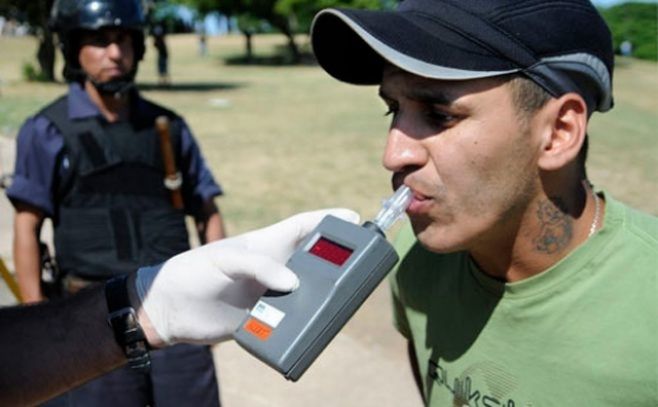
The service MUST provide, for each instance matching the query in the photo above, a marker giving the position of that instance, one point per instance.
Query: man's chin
(433, 239)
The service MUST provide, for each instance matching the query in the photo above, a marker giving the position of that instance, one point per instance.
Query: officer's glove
(202, 295)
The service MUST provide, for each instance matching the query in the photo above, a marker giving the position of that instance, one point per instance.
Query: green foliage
(34, 12)
(30, 73)
(276, 11)
(289, 17)
(305, 10)
(166, 14)
(637, 23)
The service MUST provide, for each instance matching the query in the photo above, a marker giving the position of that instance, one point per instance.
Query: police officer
(92, 162)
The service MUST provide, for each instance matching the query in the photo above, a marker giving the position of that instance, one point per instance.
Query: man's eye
(440, 118)
(97, 40)
(124, 37)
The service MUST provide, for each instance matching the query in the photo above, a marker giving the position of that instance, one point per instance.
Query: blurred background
(281, 137)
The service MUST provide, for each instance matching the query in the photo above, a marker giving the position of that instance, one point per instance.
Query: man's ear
(564, 126)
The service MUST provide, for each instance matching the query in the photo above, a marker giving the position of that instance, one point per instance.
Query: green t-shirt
(583, 333)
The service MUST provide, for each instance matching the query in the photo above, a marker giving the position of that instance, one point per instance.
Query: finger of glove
(268, 272)
(280, 239)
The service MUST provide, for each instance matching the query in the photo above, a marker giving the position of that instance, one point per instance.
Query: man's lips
(419, 203)
(115, 70)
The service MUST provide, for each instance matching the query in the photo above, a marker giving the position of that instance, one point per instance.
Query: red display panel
(331, 251)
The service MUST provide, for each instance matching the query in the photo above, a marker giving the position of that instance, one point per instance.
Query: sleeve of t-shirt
(37, 147)
(199, 185)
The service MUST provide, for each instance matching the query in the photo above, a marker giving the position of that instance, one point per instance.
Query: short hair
(528, 97)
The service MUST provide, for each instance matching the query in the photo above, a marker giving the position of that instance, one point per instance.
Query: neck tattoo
(597, 208)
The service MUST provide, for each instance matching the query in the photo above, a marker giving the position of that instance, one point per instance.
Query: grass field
(281, 139)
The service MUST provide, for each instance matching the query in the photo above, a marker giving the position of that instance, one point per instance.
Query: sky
(607, 3)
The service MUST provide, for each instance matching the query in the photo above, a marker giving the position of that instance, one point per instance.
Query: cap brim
(354, 45)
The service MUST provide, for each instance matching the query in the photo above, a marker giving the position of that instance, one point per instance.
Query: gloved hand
(202, 295)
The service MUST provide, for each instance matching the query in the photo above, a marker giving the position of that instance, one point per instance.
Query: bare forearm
(51, 347)
(210, 224)
(214, 228)
(27, 262)
(28, 269)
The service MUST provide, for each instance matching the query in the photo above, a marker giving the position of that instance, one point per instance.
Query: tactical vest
(113, 213)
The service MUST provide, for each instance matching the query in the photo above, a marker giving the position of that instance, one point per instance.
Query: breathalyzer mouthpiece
(393, 208)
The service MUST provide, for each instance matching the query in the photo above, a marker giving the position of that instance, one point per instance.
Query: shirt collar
(80, 105)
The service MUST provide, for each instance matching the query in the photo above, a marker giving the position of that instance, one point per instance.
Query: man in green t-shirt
(519, 284)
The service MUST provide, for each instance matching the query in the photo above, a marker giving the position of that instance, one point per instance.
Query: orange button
(258, 329)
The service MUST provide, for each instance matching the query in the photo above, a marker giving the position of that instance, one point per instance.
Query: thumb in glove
(202, 295)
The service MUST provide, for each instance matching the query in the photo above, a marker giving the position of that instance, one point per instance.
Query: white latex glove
(202, 295)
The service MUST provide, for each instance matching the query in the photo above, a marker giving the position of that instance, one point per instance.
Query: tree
(36, 14)
(636, 23)
(295, 16)
(289, 17)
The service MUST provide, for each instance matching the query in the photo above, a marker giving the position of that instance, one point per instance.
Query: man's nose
(114, 50)
(403, 151)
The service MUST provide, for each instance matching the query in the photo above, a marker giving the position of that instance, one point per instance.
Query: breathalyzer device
(338, 264)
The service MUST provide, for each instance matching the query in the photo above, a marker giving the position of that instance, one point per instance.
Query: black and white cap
(562, 45)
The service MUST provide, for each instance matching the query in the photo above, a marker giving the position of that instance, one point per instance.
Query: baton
(173, 179)
(9, 280)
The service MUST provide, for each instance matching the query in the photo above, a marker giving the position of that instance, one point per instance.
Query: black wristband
(123, 320)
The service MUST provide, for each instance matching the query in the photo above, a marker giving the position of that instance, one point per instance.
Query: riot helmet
(69, 17)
